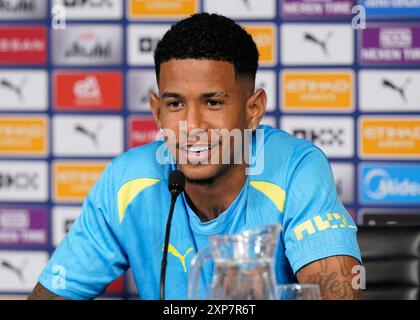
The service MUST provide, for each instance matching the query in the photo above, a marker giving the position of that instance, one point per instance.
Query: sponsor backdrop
(74, 82)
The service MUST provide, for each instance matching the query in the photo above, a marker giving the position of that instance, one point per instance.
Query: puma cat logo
(172, 250)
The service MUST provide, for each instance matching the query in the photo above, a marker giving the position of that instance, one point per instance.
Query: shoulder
(283, 153)
(137, 163)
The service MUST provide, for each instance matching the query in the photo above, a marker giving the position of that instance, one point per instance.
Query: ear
(256, 105)
(155, 107)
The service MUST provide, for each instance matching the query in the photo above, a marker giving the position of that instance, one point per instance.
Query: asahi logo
(89, 46)
(22, 6)
(78, 44)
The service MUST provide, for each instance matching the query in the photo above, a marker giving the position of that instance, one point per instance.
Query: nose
(196, 123)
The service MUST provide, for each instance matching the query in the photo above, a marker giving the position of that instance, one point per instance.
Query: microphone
(176, 185)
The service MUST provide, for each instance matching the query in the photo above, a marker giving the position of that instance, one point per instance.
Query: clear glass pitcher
(243, 266)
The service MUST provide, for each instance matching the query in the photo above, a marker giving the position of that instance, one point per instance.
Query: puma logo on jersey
(172, 250)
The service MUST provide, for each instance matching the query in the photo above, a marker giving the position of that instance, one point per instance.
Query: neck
(209, 200)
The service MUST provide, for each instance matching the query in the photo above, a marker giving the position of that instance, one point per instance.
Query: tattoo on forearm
(333, 284)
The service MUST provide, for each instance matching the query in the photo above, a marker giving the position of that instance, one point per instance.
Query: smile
(198, 153)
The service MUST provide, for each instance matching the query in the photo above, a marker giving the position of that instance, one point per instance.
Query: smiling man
(205, 68)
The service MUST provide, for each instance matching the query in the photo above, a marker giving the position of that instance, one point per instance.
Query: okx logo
(91, 9)
(23, 181)
(389, 184)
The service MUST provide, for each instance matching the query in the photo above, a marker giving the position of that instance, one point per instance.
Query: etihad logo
(23, 136)
(379, 184)
(172, 250)
(96, 91)
(317, 91)
(265, 36)
(72, 181)
(322, 43)
(395, 38)
(321, 223)
(389, 137)
(152, 9)
(399, 89)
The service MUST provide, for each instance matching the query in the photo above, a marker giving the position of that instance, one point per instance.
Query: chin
(201, 172)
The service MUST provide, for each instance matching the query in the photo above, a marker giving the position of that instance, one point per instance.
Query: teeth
(197, 148)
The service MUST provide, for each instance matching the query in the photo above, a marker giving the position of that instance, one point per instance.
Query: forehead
(195, 74)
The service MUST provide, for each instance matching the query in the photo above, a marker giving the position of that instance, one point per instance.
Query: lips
(197, 153)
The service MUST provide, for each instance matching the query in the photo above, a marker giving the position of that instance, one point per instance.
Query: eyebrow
(216, 94)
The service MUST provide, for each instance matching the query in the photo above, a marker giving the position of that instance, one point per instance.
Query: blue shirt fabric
(123, 220)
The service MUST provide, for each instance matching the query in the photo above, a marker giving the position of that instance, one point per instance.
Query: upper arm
(316, 225)
(90, 256)
(335, 276)
(41, 293)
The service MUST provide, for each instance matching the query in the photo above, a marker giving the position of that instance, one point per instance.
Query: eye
(175, 104)
(214, 104)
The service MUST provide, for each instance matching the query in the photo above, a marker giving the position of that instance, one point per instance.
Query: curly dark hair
(212, 37)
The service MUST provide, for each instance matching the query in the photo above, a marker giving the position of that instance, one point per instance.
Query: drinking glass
(297, 291)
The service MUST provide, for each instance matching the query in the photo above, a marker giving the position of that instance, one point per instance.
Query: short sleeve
(89, 257)
(315, 225)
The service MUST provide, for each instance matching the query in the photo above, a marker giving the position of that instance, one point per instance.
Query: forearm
(334, 276)
(40, 293)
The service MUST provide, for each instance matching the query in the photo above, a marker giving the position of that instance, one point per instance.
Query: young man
(205, 68)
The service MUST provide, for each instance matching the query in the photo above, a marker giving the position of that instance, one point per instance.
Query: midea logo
(379, 184)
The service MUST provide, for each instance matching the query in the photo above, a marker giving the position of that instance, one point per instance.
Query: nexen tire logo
(380, 185)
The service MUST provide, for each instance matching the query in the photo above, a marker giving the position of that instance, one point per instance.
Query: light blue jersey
(123, 220)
